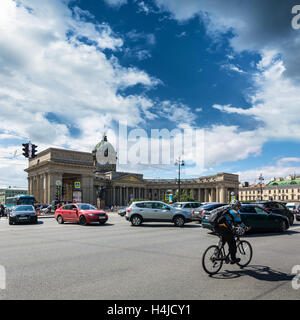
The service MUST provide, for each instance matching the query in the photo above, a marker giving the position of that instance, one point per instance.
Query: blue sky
(67, 68)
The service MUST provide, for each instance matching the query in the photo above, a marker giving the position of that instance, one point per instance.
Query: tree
(191, 195)
(184, 197)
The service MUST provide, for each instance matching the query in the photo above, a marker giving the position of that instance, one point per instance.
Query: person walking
(2, 210)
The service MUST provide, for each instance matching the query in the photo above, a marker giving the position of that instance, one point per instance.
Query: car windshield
(86, 207)
(24, 208)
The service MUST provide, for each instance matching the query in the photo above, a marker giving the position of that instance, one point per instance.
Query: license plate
(23, 218)
(101, 218)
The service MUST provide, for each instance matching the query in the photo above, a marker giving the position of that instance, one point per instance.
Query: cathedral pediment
(129, 178)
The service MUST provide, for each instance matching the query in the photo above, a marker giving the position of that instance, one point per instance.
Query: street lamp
(261, 179)
(179, 163)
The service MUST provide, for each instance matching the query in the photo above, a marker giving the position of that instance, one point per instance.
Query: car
(277, 207)
(197, 214)
(23, 213)
(187, 206)
(156, 211)
(46, 210)
(82, 213)
(257, 218)
(295, 208)
(122, 211)
(40, 207)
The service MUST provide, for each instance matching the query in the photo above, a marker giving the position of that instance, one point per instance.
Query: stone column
(214, 195)
(217, 194)
(205, 195)
(224, 195)
(87, 189)
(126, 195)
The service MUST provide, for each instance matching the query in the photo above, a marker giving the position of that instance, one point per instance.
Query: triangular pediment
(129, 178)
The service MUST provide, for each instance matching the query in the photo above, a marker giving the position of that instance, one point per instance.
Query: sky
(70, 69)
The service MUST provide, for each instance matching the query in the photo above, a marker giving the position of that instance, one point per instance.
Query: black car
(257, 218)
(279, 208)
(23, 213)
(295, 208)
(199, 213)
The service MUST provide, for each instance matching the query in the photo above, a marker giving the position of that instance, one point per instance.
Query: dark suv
(279, 208)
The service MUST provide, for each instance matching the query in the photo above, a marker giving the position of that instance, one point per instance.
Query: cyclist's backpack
(217, 213)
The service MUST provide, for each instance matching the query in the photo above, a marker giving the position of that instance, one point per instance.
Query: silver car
(156, 211)
(187, 206)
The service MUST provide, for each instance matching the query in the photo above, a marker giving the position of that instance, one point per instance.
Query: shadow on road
(155, 225)
(27, 224)
(263, 273)
(271, 234)
(91, 225)
(264, 234)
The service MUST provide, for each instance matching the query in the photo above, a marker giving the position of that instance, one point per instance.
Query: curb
(45, 217)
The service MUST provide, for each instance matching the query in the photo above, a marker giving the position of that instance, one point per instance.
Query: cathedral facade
(93, 178)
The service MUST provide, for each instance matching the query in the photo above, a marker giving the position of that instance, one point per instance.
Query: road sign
(77, 185)
(167, 196)
(58, 183)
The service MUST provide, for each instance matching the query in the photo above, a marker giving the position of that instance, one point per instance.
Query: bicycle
(215, 255)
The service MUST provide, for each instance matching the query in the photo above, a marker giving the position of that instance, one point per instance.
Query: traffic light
(62, 191)
(33, 151)
(25, 150)
(57, 194)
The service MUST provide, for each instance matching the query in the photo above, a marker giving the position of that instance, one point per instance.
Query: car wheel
(60, 220)
(82, 221)
(136, 220)
(179, 221)
(10, 222)
(283, 226)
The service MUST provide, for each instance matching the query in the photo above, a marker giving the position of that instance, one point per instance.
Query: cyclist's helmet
(235, 203)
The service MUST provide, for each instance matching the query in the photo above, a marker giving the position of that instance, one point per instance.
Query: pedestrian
(2, 209)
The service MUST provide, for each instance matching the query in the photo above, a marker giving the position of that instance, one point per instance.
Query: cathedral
(93, 178)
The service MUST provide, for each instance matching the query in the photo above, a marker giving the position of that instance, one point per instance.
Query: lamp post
(261, 179)
(179, 163)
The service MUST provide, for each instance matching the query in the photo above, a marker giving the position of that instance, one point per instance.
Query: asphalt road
(154, 261)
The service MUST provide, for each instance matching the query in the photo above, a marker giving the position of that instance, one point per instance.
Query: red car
(82, 213)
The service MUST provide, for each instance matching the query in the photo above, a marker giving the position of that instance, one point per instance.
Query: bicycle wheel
(244, 252)
(209, 262)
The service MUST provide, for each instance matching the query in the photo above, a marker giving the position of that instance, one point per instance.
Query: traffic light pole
(180, 163)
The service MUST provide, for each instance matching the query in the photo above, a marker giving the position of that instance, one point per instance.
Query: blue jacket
(233, 218)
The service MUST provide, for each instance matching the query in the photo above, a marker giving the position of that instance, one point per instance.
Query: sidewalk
(45, 216)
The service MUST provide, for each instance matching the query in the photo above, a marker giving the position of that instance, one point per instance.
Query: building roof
(284, 182)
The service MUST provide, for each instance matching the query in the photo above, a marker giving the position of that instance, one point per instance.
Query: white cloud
(281, 168)
(116, 3)
(275, 104)
(44, 67)
(232, 67)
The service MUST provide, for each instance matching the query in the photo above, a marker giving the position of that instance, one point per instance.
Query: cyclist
(226, 228)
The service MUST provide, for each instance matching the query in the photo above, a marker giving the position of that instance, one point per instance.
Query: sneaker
(237, 260)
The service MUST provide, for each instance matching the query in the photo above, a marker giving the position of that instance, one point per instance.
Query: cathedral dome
(105, 153)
